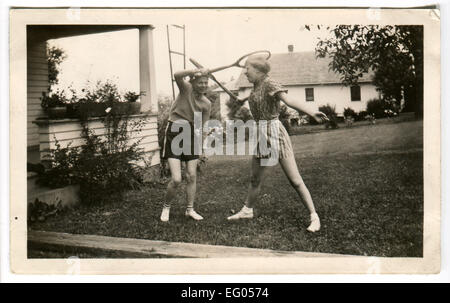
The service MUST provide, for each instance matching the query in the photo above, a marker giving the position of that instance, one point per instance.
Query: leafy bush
(40, 211)
(132, 96)
(284, 118)
(376, 107)
(349, 112)
(62, 171)
(330, 111)
(52, 99)
(361, 116)
(55, 56)
(164, 105)
(102, 166)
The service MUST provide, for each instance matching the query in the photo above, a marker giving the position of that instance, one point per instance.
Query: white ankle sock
(247, 209)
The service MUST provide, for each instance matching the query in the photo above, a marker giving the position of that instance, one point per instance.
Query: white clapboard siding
(66, 125)
(37, 82)
(65, 138)
(80, 141)
(67, 132)
(147, 144)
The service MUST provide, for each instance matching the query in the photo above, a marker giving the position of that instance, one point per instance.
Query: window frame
(353, 97)
(311, 97)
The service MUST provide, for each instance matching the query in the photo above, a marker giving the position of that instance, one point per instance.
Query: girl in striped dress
(264, 102)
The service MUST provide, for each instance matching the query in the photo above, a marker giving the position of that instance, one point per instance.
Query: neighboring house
(309, 80)
(224, 97)
(39, 140)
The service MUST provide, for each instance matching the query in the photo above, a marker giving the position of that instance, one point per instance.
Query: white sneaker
(165, 214)
(193, 214)
(315, 223)
(244, 213)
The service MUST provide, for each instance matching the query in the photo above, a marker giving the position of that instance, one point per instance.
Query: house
(224, 97)
(42, 133)
(309, 80)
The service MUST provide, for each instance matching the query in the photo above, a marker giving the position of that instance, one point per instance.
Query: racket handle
(196, 64)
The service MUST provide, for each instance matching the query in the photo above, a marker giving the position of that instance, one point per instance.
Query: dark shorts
(188, 151)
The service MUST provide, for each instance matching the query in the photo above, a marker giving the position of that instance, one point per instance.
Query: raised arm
(179, 76)
(295, 104)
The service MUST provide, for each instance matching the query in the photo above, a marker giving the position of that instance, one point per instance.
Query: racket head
(239, 62)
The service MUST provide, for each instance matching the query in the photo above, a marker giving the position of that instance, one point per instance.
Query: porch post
(147, 72)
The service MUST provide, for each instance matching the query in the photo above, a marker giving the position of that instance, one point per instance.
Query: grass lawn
(366, 182)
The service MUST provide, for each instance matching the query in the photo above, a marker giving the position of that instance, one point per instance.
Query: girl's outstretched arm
(295, 104)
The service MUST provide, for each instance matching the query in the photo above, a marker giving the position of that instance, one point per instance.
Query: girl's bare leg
(191, 189)
(257, 177)
(258, 174)
(290, 168)
(175, 181)
(191, 178)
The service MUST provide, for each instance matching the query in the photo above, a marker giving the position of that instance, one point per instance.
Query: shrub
(376, 107)
(62, 171)
(103, 167)
(40, 211)
(284, 118)
(361, 116)
(52, 99)
(132, 96)
(349, 112)
(330, 111)
(164, 105)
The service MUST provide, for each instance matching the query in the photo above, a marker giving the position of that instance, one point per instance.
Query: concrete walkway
(151, 248)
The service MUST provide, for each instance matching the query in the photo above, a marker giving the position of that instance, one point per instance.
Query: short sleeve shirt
(186, 104)
(264, 101)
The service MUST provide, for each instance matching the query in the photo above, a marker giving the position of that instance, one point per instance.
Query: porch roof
(46, 32)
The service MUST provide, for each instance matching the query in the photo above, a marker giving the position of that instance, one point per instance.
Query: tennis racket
(239, 62)
(198, 65)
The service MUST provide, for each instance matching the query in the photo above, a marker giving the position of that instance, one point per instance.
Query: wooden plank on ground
(158, 248)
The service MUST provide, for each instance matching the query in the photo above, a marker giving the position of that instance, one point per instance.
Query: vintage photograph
(226, 136)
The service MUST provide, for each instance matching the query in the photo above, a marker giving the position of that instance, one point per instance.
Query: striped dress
(265, 108)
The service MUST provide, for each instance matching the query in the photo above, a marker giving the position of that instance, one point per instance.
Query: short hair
(259, 63)
(194, 78)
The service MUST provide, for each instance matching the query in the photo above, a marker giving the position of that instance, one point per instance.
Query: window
(355, 93)
(309, 94)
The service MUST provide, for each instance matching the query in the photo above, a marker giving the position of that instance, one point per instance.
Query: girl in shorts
(190, 100)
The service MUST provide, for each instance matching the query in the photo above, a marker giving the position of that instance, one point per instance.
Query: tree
(55, 56)
(394, 53)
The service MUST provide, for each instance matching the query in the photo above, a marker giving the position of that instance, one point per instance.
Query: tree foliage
(393, 53)
(55, 56)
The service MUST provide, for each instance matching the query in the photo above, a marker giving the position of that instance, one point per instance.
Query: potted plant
(95, 101)
(129, 106)
(54, 104)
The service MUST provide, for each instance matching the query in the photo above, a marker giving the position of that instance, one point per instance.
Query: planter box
(57, 112)
(126, 108)
(88, 110)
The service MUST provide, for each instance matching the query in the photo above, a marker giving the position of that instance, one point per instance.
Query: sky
(213, 37)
